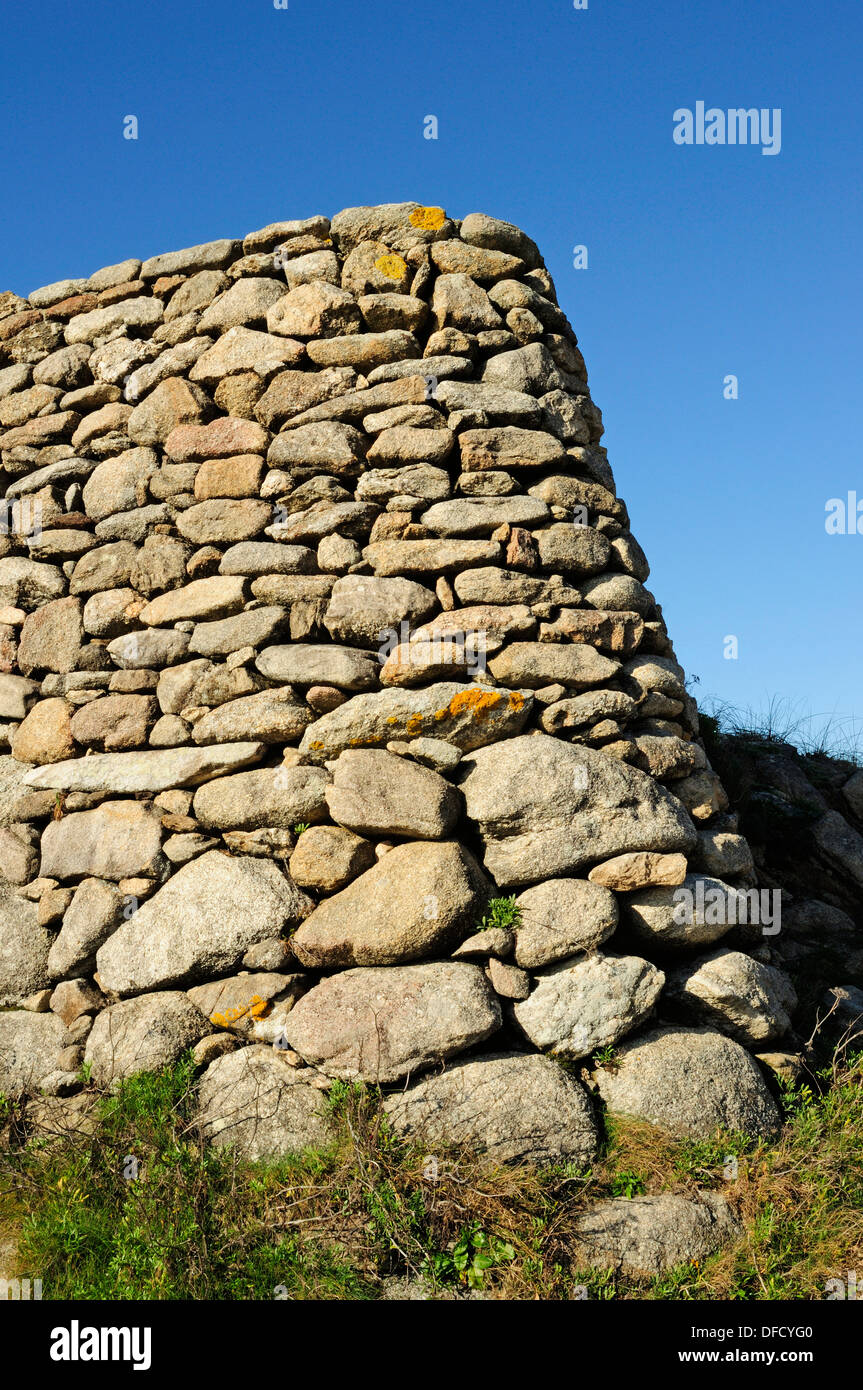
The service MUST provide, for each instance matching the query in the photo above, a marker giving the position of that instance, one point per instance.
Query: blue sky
(704, 261)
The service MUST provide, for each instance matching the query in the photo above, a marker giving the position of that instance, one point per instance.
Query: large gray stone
(735, 994)
(27, 584)
(537, 664)
(383, 1025)
(94, 912)
(29, 1050)
(309, 663)
(647, 1236)
(697, 912)
(215, 597)
(266, 557)
(244, 304)
(253, 1100)
(271, 796)
(327, 858)
(579, 1006)
(119, 839)
(419, 899)
(398, 225)
(142, 1035)
(514, 1107)
(250, 629)
(840, 844)
(150, 771)
(530, 370)
(252, 1005)
(560, 918)
(479, 516)
(17, 695)
(272, 716)
(374, 792)
(467, 716)
(362, 609)
(24, 947)
(544, 807)
(201, 923)
(430, 557)
(191, 259)
(691, 1082)
(51, 637)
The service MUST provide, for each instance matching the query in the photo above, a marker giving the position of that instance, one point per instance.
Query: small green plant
(628, 1184)
(301, 826)
(606, 1057)
(500, 912)
(473, 1253)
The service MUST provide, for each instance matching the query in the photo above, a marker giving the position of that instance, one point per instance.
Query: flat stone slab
(467, 716)
(513, 1107)
(381, 1025)
(142, 1035)
(254, 1101)
(544, 807)
(690, 1082)
(201, 923)
(418, 900)
(647, 1236)
(149, 771)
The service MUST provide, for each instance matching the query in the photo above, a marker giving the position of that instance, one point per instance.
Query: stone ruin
(322, 627)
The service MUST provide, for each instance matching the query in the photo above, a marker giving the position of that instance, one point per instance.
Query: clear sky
(704, 261)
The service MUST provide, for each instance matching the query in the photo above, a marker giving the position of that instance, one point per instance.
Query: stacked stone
(322, 625)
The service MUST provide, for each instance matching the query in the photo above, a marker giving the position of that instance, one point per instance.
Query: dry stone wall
(321, 628)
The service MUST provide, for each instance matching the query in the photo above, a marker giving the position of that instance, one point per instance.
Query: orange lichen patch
(414, 725)
(429, 219)
(391, 266)
(516, 700)
(474, 701)
(225, 1020)
(257, 1007)
(316, 744)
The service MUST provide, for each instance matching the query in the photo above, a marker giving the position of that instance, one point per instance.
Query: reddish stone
(521, 553)
(219, 439)
(76, 304)
(15, 323)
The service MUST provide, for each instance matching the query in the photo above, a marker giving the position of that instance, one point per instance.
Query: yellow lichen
(393, 267)
(257, 1007)
(474, 701)
(429, 219)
